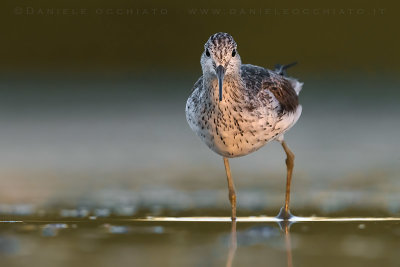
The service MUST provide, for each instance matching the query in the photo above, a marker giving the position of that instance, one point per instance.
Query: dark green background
(91, 42)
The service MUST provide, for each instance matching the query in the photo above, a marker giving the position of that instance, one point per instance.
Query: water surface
(254, 241)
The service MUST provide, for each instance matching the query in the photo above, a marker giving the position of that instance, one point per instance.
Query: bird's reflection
(232, 245)
(284, 226)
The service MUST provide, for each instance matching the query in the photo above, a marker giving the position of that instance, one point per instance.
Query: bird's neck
(232, 89)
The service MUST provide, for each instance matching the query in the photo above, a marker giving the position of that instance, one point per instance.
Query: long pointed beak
(220, 75)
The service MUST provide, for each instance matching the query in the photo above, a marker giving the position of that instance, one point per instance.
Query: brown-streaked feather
(258, 79)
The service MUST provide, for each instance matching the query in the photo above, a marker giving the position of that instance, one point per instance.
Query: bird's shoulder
(258, 80)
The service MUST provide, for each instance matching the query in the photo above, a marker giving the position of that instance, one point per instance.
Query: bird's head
(220, 58)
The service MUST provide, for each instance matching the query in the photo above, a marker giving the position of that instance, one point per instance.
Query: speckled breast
(231, 131)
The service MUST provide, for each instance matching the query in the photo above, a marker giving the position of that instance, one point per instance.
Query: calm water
(120, 242)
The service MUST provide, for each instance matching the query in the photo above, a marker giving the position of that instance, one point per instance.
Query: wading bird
(237, 108)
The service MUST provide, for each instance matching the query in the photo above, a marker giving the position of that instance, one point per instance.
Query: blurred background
(92, 107)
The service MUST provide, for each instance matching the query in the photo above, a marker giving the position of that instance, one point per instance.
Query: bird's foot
(285, 222)
(284, 215)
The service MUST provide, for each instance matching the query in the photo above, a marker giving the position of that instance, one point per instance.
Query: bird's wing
(258, 80)
(197, 84)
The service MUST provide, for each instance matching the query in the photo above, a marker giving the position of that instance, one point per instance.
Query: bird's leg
(231, 187)
(285, 212)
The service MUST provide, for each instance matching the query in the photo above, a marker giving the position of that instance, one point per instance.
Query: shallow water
(191, 241)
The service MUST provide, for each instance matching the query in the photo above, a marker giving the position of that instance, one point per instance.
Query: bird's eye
(234, 52)
(207, 53)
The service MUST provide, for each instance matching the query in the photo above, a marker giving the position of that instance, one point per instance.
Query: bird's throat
(231, 88)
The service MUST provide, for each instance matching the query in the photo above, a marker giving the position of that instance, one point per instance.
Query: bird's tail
(281, 69)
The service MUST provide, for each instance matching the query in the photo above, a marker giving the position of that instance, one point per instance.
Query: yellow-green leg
(231, 187)
(285, 211)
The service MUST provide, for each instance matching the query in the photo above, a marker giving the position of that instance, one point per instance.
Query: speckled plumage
(258, 105)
